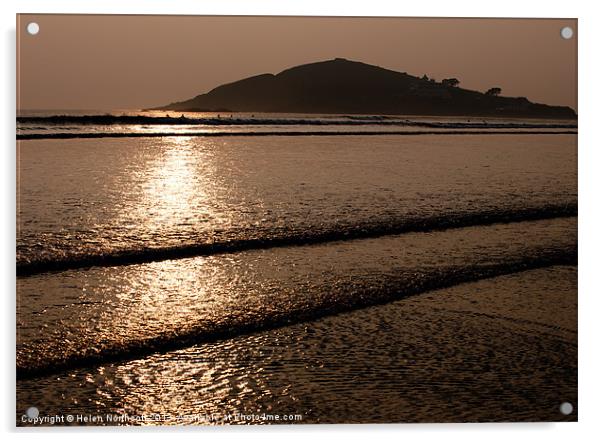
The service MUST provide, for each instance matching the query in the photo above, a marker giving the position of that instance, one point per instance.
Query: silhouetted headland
(343, 86)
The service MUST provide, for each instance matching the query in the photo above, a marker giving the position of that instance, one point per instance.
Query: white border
(590, 146)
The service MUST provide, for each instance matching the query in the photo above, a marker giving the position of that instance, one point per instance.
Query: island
(341, 86)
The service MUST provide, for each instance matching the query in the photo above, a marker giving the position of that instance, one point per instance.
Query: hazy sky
(130, 62)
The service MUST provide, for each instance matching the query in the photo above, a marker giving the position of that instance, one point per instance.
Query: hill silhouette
(344, 86)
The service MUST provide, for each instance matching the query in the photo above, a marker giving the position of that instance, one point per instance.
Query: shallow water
(82, 197)
(344, 279)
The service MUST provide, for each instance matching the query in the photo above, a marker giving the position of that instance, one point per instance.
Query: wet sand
(499, 349)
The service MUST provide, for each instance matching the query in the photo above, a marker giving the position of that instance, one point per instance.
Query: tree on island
(450, 82)
(494, 91)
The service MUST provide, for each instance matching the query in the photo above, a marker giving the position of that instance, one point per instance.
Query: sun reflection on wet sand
(172, 183)
(151, 306)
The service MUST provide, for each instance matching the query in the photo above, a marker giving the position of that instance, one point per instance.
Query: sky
(110, 62)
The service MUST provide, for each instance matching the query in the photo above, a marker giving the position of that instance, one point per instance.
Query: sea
(230, 268)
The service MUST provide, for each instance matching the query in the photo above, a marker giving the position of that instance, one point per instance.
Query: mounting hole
(32, 412)
(33, 28)
(566, 32)
(566, 408)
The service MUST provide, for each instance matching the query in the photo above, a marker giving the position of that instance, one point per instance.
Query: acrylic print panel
(289, 220)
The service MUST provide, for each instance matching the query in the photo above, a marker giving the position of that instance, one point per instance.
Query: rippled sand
(98, 314)
(500, 349)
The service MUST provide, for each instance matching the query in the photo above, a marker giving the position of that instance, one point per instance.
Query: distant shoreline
(249, 134)
(313, 119)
